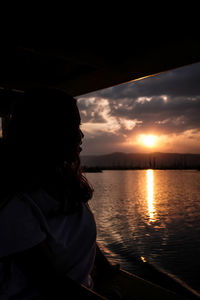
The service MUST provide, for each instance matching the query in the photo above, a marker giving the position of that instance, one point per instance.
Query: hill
(119, 160)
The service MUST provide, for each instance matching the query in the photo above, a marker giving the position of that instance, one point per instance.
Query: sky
(155, 114)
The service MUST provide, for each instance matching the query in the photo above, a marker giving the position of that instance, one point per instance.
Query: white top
(23, 225)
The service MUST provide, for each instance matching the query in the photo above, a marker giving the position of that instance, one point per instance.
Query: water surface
(153, 215)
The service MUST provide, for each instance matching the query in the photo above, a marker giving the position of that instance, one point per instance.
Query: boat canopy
(80, 68)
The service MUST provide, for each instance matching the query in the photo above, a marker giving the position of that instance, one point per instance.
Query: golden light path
(150, 195)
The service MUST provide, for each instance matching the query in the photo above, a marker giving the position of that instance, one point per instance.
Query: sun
(148, 140)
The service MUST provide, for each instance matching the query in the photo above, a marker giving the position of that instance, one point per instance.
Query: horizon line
(148, 153)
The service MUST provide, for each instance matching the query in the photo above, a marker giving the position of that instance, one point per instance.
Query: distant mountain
(119, 160)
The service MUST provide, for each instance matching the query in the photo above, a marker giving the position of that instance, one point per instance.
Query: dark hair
(42, 147)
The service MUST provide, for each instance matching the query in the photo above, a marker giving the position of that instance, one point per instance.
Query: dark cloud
(180, 82)
(174, 114)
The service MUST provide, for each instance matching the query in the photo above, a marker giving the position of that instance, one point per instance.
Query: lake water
(150, 215)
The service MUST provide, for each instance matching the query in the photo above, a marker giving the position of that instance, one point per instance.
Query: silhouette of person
(47, 230)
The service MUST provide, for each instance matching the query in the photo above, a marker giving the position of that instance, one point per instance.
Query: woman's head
(43, 141)
(46, 126)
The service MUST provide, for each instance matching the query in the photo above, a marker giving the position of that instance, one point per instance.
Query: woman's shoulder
(12, 204)
(38, 198)
(44, 201)
(20, 228)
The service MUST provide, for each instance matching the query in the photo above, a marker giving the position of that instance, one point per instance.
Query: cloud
(166, 104)
(92, 110)
(163, 113)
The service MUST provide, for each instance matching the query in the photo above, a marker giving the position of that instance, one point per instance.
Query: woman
(47, 231)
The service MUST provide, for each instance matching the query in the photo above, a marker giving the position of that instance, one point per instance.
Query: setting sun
(148, 140)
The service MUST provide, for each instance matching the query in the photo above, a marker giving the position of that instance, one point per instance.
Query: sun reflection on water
(150, 195)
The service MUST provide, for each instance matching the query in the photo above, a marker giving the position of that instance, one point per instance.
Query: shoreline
(100, 170)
